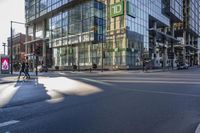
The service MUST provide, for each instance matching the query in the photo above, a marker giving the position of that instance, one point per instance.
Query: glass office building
(119, 34)
(192, 30)
(189, 31)
(66, 32)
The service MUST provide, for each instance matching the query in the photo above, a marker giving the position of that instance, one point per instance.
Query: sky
(10, 10)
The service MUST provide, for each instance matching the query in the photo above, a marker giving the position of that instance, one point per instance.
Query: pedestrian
(22, 69)
(27, 76)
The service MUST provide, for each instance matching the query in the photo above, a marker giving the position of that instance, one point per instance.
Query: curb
(7, 82)
(197, 130)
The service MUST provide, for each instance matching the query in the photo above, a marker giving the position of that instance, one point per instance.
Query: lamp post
(102, 50)
(4, 45)
(11, 41)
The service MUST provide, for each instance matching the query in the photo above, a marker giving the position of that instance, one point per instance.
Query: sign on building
(117, 9)
(131, 9)
(5, 67)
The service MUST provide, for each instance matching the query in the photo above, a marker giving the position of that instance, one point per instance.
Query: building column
(198, 52)
(172, 44)
(189, 43)
(192, 43)
(165, 51)
(67, 48)
(26, 40)
(184, 44)
(154, 56)
(114, 47)
(44, 52)
(34, 46)
(77, 57)
(89, 54)
(189, 39)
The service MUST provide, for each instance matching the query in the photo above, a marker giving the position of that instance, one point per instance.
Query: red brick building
(18, 48)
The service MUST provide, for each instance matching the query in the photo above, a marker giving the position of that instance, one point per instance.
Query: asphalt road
(127, 102)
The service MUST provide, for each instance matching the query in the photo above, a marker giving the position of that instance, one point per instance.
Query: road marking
(8, 123)
(163, 92)
(161, 82)
(96, 81)
(151, 78)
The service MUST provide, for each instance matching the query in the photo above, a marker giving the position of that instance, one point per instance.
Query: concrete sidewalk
(7, 79)
(109, 72)
(98, 72)
(22, 92)
(4, 79)
(48, 89)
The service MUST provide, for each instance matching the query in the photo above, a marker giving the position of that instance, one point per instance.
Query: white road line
(152, 78)
(161, 82)
(96, 81)
(163, 92)
(8, 123)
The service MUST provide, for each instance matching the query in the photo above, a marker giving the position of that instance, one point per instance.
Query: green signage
(70, 51)
(131, 9)
(117, 9)
(116, 49)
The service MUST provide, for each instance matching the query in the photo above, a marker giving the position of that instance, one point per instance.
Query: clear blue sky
(10, 10)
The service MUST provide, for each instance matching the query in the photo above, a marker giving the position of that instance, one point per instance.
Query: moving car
(42, 68)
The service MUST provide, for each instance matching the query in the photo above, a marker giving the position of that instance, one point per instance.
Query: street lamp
(4, 45)
(102, 49)
(11, 36)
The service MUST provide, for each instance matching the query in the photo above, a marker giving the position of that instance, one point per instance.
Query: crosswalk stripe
(8, 123)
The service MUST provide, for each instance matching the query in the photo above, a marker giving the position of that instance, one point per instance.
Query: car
(183, 66)
(42, 68)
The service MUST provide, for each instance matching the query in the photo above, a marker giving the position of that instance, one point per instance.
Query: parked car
(183, 66)
(42, 68)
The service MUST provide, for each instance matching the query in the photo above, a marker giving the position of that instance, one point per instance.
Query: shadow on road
(22, 92)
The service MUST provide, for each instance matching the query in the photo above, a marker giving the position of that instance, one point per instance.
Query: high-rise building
(113, 34)
(192, 30)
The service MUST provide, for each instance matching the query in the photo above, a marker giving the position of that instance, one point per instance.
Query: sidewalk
(88, 73)
(48, 89)
(7, 79)
(4, 79)
(22, 92)
(98, 72)
(13, 78)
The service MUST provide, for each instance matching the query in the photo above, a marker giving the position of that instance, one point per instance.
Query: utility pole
(102, 50)
(11, 68)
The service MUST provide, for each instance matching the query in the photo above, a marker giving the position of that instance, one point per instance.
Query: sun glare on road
(59, 86)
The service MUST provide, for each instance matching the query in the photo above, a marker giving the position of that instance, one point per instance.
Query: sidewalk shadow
(24, 92)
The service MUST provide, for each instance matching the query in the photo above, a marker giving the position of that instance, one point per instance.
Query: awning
(163, 35)
(178, 46)
(191, 47)
(34, 41)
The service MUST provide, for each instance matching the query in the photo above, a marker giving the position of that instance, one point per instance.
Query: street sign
(5, 67)
(116, 49)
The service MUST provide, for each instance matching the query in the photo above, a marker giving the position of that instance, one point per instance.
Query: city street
(108, 102)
